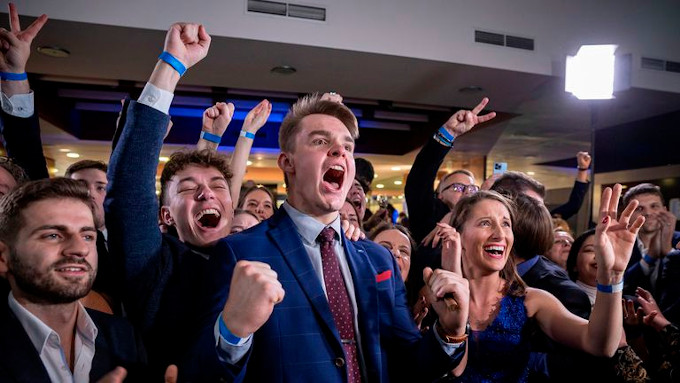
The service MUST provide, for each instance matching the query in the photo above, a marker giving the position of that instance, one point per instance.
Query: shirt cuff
(19, 105)
(156, 98)
(449, 348)
(228, 352)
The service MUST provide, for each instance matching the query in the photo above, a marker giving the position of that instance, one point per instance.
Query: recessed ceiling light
(54, 170)
(54, 51)
(259, 158)
(531, 173)
(379, 186)
(396, 168)
(375, 175)
(283, 69)
(163, 159)
(72, 155)
(397, 182)
(249, 163)
(471, 89)
(64, 150)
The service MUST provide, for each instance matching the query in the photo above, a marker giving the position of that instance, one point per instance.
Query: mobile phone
(500, 167)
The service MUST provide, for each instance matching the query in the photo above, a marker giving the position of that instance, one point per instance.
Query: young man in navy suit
(281, 320)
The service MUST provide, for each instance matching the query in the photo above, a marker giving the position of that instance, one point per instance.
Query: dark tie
(338, 299)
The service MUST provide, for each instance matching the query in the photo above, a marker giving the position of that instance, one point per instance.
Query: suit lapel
(17, 353)
(296, 257)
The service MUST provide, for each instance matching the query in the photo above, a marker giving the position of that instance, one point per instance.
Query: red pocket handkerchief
(385, 275)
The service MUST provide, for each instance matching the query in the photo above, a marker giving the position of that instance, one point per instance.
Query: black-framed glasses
(462, 188)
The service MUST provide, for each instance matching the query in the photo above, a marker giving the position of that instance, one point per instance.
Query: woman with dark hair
(581, 264)
(502, 310)
(397, 239)
(258, 200)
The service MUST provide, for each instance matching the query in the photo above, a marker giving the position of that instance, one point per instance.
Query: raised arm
(20, 127)
(614, 241)
(131, 203)
(255, 120)
(424, 208)
(579, 191)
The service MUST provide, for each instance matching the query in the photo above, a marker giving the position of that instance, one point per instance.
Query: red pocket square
(385, 275)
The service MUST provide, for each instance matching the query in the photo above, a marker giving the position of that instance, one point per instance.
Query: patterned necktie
(339, 302)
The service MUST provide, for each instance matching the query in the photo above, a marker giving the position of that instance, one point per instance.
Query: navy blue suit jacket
(300, 342)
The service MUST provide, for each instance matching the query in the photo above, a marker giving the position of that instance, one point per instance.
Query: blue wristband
(214, 138)
(610, 289)
(650, 261)
(13, 76)
(247, 135)
(226, 334)
(445, 133)
(173, 62)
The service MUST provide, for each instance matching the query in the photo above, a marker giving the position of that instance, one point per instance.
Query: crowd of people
(103, 280)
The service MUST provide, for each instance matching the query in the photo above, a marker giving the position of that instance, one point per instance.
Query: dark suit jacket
(547, 275)
(163, 277)
(21, 138)
(300, 342)
(115, 346)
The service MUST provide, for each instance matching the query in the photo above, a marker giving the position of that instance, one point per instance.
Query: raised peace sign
(464, 120)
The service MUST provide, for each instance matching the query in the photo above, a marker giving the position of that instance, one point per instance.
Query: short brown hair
(533, 228)
(644, 188)
(461, 212)
(85, 164)
(313, 104)
(514, 182)
(16, 171)
(459, 171)
(205, 158)
(21, 197)
(384, 226)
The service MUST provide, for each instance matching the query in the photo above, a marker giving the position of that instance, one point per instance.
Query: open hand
(257, 117)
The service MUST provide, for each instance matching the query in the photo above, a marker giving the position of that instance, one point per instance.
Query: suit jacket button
(339, 362)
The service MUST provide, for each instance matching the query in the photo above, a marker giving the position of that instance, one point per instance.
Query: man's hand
(583, 160)
(652, 313)
(332, 96)
(116, 376)
(257, 117)
(464, 120)
(217, 118)
(453, 316)
(253, 293)
(188, 43)
(15, 44)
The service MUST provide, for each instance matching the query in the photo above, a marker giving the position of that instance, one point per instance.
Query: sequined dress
(500, 353)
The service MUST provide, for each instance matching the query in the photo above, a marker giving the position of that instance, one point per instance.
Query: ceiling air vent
(268, 7)
(503, 40)
(287, 9)
(306, 12)
(519, 42)
(659, 64)
(489, 38)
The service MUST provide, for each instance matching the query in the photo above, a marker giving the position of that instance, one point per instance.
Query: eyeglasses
(462, 188)
(563, 242)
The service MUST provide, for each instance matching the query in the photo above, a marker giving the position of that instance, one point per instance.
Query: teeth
(337, 167)
(71, 269)
(207, 211)
(494, 248)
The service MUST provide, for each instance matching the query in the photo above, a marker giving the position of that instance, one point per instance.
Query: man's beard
(44, 287)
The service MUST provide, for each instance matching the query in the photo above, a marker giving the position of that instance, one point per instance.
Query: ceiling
(539, 126)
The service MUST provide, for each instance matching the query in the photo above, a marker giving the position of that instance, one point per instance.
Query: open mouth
(208, 218)
(495, 251)
(334, 176)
